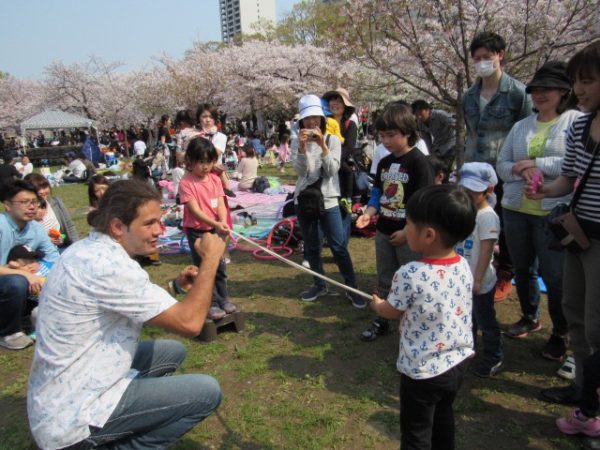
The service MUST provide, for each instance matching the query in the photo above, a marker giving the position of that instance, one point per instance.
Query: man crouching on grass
(92, 383)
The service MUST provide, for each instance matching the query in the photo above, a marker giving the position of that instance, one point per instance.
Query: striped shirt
(579, 149)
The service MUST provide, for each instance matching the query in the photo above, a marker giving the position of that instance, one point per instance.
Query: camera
(312, 136)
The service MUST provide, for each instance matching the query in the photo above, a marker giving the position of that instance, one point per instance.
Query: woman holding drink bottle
(533, 152)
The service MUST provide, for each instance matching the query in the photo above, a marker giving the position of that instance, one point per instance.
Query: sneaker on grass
(313, 293)
(522, 328)
(379, 327)
(567, 370)
(357, 300)
(487, 369)
(556, 348)
(15, 341)
(576, 423)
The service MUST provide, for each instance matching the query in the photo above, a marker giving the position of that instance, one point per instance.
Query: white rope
(301, 267)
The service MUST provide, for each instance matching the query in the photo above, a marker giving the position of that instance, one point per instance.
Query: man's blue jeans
(528, 247)
(333, 229)
(14, 291)
(156, 410)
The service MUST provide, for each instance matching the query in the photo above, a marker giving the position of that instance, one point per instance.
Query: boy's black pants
(426, 414)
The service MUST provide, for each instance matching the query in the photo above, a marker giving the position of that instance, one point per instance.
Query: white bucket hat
(310, 105)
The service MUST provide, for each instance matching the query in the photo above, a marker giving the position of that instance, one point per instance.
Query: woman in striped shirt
(581, 281)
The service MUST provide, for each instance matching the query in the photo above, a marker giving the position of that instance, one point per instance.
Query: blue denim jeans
(333, 229)
(156, 410)
(220, 293)
(528, 247)
(14, 291)
(484, 319)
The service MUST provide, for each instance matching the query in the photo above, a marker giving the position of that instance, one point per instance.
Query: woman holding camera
(316, 198)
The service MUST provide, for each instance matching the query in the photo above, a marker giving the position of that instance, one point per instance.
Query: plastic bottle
(536, 179)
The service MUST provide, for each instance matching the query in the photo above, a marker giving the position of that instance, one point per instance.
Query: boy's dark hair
(399, 117)
(585, 63)
(184, 116)
(122, 201)
(490, 41)
(38, 180)
(139, 169)
(200, 150)
(447, 208)
(10, 189)
(420, 105)
(438, 166)
(23, 252)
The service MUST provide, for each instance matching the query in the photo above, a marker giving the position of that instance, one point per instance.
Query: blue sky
(36, 32)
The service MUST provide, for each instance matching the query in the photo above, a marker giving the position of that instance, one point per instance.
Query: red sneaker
(503, 287)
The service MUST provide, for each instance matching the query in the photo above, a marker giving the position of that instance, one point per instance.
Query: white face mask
(485, 68)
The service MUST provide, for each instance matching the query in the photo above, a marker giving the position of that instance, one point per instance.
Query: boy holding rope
(432, 298)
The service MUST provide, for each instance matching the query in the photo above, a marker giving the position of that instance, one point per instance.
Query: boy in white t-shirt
(432, 298)
(479, 179)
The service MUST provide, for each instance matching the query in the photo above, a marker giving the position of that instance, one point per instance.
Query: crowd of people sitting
(448, 244)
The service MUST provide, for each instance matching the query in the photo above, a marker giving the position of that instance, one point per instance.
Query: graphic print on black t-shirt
(399, 177)
(392, 201)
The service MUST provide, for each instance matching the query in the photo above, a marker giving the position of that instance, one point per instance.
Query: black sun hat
(553, 74)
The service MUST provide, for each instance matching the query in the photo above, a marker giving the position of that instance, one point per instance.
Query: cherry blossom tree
(424, 44)
(19, 99)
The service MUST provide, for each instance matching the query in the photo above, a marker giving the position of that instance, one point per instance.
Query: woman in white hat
(316, 198)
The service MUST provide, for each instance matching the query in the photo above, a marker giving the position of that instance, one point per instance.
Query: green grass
(298, 377)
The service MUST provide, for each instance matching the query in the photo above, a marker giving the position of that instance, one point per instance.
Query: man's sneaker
(15, 341)
(567, 370)
(485, 369)
(357, 300)
(556, 348)
(503, 286)
(306, 264)
(568, 395)
(576, 423)
(379, 327)
(522, 328)
(313, 293)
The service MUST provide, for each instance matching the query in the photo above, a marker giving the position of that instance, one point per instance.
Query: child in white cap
(478, 249)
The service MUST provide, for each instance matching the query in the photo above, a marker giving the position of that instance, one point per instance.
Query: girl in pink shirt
(201, 191)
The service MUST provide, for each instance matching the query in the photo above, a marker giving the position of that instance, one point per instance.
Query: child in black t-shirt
(404, 171)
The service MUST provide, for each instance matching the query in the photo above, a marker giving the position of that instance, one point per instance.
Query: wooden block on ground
(212, 328)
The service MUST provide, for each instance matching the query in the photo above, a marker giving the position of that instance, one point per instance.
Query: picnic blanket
(271, 196)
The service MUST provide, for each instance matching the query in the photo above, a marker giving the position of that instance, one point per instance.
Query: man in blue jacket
(491, 107)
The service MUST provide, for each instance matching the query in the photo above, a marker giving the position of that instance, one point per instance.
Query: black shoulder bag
(562, 221)
(310, 199)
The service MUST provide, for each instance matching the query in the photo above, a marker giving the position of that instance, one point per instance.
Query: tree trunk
(460, 121)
